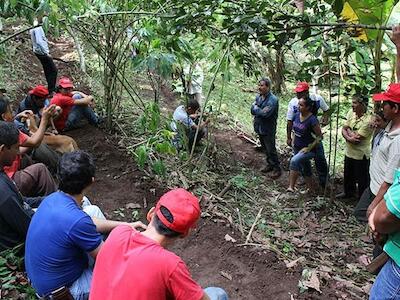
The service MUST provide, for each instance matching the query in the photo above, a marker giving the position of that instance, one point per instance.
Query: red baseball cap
(392, 93)
(65, 82)
(39, 91)
(184, 208)
(301, 87)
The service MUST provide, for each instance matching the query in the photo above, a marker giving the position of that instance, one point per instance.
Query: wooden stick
(225, 189)
(240, 221)
(254, 225)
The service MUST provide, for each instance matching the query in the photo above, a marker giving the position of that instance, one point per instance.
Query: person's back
(15, 215)
(57, 243)
(162, 275)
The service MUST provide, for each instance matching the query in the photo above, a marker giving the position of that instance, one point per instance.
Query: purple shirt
(303, 130)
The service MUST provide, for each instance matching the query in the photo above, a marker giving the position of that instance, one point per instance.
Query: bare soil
(245, 273)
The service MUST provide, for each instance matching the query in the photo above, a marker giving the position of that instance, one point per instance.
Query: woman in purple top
(307, 134)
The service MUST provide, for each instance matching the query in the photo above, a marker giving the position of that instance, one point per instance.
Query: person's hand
(266, 109)
(138, 225)
(396, 35)
(305, 150)
(49, 112)
(25, 114)
(289, 141)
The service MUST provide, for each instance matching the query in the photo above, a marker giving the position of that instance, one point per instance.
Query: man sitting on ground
(75, 106)
(163, 275)
(188, 116)
(63, 239)
(35, 179)
(15, 210)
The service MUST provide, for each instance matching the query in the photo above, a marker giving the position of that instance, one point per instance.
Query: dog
(58, 142)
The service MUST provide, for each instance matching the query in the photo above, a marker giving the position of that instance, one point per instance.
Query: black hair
(4, 105)
(193, 104)
(75, 172)
(266, 80)
(380, 114)
(8, 134)
(161, 228)
(392, 104)
(311, 105)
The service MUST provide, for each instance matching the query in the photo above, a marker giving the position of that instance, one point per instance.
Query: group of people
(71, 250)
(371, 165)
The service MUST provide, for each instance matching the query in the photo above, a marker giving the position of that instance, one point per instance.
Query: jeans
(268, 143)
(300, 162)
(78, 113)
(47, 156)
(321, 165)
(50, 71)
(356, 176)
(81, 287)
(387, 283)
(216, 293)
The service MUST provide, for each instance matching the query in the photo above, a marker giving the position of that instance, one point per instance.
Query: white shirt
(181, 116)
(39, 41)
(293, 106)
(385, 159)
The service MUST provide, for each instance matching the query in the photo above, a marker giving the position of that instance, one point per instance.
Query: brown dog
(60, 143)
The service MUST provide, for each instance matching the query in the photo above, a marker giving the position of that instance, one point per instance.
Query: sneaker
(342, 196)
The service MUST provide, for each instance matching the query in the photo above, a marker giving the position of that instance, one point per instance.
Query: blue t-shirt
(303, 130)
(59, 236)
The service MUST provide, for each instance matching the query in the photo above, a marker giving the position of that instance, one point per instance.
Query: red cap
(392, 93)
(184, 208)
(39, 91)
(65, 82)
(301, 87)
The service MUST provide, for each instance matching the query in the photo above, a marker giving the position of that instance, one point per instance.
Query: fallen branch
(226, 188)
(254, 225)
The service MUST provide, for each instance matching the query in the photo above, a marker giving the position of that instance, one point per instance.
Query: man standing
(386, 156)
(302, 90)
(265, 111)
(15, 210)
(63, 239)
(136, 265)
(40, 47)
(357, 131)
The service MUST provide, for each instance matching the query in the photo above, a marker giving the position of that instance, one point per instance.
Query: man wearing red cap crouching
(74, 105)
(135, 265)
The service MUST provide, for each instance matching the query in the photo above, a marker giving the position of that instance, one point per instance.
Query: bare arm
(383, 221)
(84, 101)
(379, 197)
(94, 253)
(396, 40)
(105, 226)
(289, 127)
(35, 139)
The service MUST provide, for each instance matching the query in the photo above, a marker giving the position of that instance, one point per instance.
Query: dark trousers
(360, 211)
(34, 181)
(356, 176)
(47, 156)
(50, 71)
(321, 165)
(268, 143)
(191, 134)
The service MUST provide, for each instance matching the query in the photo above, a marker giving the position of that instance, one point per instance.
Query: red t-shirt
(66, 102)
(132, 266)
(10, 171)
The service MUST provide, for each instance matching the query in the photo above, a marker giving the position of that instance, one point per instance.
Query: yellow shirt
(362, 127)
